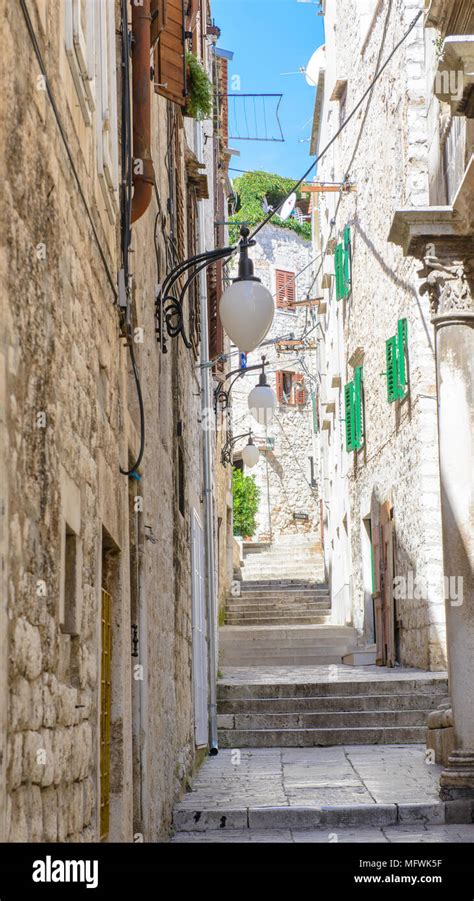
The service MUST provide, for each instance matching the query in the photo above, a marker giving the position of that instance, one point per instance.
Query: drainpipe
(206, 405)
(144, 179)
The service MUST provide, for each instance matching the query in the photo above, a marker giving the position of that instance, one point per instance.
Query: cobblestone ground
(350, 794)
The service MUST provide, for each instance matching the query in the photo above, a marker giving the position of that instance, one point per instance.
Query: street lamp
(262, 400)
(250, 453)
(246, 307)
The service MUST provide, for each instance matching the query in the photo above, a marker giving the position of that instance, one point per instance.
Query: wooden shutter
(378, 581)
(299, 393)
(285, 289)
(279, 386)
(339, 272)
(170, 64)
(387, 597)
(391, 370)
(349, 415)
(358, 407)
(346, 262)
(402, 344)
(216, 331)
(315, 405)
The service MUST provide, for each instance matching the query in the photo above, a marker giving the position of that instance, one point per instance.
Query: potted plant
(199, 100)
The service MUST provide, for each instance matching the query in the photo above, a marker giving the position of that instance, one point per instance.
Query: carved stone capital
(449, 282)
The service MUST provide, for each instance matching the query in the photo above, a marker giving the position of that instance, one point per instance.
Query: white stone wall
(283, 473)
(384, 152)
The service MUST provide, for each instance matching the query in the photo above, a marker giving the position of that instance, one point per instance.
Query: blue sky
(269, 37)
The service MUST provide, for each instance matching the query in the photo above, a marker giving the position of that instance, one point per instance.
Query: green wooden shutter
(358, 407)
(391, 371)
(349, 415)
(402, 340)
(346, 266)
(314, 403)
(339, 270)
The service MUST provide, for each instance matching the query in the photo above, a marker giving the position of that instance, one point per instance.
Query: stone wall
(72, 422)
(283, 473)
(399, 462)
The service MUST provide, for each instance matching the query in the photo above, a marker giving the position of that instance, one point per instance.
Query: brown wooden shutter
(216, 331)
(299, 393)
(285, 289)
(170, 66)
(378, 581)
(388, 611)
(279, 386)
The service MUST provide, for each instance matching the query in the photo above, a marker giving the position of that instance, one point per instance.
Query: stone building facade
(103, 613)
(287, 470)
(379, 452)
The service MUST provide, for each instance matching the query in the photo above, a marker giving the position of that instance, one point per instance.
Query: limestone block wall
(72, 421)
(399, 463)
(283, 473)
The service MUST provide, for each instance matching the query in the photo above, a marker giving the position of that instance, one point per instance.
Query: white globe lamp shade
(246, 310)
(246, 307)
(250, 454)
(262, 402)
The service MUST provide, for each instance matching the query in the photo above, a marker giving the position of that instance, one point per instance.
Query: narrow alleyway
(312, 749)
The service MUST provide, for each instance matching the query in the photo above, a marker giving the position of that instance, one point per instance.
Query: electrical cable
(127, 166)
(340, 129)
(62, 132)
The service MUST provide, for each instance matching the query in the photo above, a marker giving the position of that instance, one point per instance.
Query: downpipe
(207, 467)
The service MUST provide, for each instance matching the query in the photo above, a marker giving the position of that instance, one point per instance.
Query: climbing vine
(251, 189)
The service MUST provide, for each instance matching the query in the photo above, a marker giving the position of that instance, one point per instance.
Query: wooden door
(378, 582)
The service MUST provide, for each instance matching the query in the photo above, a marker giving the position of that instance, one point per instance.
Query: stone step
(287, 620)
(317, 824)
(332, 703)
(274, 596)
(278, 586)
(311, 738)
(278, 615)
(279, 634)
(287, 647)
(272, 571)
(269, 607)
(340, 719)
(432, 685)
(326, 657)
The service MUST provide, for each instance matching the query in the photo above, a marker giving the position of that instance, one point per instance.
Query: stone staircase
(366, 711)
(290, 557)
(273, 603)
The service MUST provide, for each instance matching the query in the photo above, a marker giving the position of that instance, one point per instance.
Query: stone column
(448, 278)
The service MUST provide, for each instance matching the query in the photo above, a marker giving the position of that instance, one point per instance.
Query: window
(285, 290)
(342, 265)
(107, 137)
(170, 66)
(79, 35)
(354, 410)
(396, 349)
(290, 388)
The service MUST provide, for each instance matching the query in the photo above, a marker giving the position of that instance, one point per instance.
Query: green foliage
(246, 498)
(199, 102)
(251, 188)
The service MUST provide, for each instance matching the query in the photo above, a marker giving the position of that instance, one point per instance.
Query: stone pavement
(386, 834)
(272, 675)
(298, 794)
